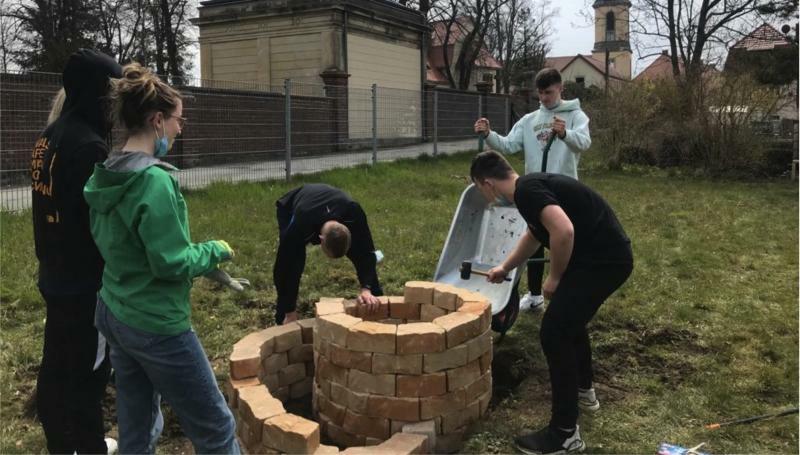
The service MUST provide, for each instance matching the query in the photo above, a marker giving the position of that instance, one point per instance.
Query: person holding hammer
(590, 258)
(532, 133)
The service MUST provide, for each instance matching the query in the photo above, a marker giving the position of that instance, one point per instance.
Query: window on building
(611, 26)
(580, 80)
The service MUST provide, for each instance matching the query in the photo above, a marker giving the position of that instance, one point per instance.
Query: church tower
(611, 32)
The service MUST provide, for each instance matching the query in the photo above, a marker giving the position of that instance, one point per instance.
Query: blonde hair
(138, 94)
(56, 106)
(336, 239)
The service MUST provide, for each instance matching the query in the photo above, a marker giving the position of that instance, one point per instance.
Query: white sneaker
(111, 446)
(531, 302)
(587, 400)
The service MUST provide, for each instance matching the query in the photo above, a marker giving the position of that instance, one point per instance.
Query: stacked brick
(420, 363)
(272, 367)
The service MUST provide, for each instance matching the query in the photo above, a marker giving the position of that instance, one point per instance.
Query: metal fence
(242, 131)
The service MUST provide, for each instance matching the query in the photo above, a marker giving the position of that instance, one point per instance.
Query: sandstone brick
(455, 420)
(399, 309)
(466, 296)
(381, 384)
(324, 386)
(405, 443)
(275, 362)
(460, 327)
(373, 314)
(425, 385)
(443, 404)
(245, 358)
(419, 292)
(373, 427)
(445, 296)
(338, 435)
(482, 309)
(420, 338)
(403, 364)
(348, 398)
(484, 401)
(301, 388)
(480, 386)
(301, 353)
(328, 306)
(281, 393)
(249, 436)
(406, 409)
(445, 360)
(370, 336)
(351, 307)
(257, 404)
(334, 327)
(425, 428)
(486, 360)
(451, 442)
(286, 336)
(326, 450)
(307, 329)
(460, 377)
(350, 359)
(291, 434)
(333, 411)
(478, 346)
(290, 374)
(330, 372)
(271, 381)
(370, 442)
(429, 312)
(232, 387)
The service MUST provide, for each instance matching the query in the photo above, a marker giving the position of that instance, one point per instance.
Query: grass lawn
(706, 328)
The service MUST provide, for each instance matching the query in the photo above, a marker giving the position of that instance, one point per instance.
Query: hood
(565, 106)
(112, 179)
(86, 80)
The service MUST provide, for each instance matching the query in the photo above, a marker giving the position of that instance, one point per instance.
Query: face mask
(162, 143)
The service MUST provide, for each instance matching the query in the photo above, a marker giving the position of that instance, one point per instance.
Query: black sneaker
(547, 440)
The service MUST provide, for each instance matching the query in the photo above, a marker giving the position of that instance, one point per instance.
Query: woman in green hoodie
(139, 222)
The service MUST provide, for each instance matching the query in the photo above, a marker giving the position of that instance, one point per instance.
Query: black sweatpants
(563, 334)
(69, 387)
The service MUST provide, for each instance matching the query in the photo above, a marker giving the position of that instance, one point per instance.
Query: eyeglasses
(181, 120)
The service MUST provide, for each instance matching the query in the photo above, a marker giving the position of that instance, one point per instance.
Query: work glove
(220, 276)
(228, 250)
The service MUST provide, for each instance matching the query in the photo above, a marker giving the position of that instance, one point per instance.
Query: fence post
(287, 91)
(374, 123)
(435, 122)
(508, 116)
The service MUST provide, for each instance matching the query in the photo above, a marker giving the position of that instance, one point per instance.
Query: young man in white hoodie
(567, 121)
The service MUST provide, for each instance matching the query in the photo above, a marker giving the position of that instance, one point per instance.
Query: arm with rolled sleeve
(510, 144)
(169, 250)
(577, 135)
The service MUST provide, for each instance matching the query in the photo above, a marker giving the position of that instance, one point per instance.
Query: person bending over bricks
(322, 215)
(590, 258)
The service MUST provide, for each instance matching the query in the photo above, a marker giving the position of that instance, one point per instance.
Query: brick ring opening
(408, 378)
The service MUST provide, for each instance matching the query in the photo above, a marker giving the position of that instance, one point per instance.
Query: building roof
(662, 68)
(561, 63)
(457, 28)
(763, 38)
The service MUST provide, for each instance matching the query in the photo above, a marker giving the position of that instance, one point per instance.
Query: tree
(693, 29)
(10, 32)
(467, 21)
(518, 39)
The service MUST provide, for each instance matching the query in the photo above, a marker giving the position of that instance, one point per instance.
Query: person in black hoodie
(321, 215)
(75, 369)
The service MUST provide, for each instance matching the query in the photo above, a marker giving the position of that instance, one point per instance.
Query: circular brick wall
(421, 362)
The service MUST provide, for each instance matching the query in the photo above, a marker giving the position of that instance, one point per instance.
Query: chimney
(665, 53)
(424, 6)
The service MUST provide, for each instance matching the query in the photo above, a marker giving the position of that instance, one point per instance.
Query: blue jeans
(148, 366)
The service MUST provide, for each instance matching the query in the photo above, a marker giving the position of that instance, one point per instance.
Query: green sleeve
(164, 230)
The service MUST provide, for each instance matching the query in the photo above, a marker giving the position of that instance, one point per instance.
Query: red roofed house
(485, 66)
(661, 68)
(611, 34)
